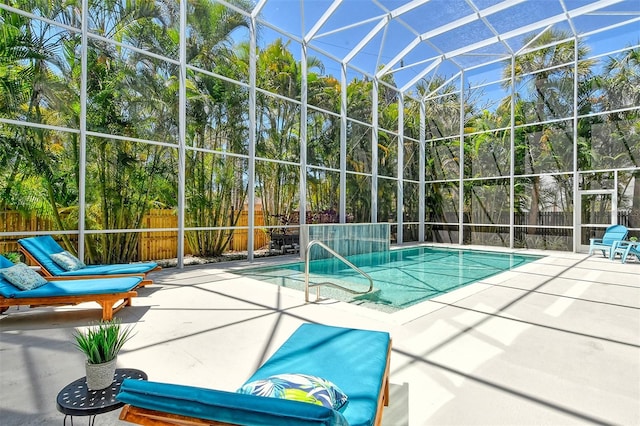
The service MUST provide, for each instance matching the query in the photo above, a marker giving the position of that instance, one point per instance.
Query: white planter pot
(100, 376)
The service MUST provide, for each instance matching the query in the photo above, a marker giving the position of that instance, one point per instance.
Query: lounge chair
(39, 250)
(625, 248)
(356, 361)
(612, 235)
(59, 291)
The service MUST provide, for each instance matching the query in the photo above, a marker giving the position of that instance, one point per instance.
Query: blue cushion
(115, 269)
(4, 262)
(298, 387)
(67, 261)
(23, 277)
(42, 247)
(230, 407)
(72, 287)
(355, 360)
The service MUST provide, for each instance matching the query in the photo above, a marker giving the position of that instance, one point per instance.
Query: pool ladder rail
(307, 285)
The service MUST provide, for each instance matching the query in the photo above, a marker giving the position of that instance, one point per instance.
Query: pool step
(345, 286)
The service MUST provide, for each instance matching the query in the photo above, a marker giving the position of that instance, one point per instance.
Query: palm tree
(133, 96)
(217, 123)
(442, 114)
(33, 88)
(546, 68)
(279, 130)
(359, 155)
(621, 84)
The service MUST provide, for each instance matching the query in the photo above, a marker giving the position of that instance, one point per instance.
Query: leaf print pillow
(298, 387)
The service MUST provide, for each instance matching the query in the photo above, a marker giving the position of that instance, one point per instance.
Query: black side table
(76, 399)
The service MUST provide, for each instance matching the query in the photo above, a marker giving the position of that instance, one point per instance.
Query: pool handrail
(328, 284)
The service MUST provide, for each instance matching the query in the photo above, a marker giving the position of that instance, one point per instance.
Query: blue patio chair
(41, 251)
(612, 235)
(625, 248)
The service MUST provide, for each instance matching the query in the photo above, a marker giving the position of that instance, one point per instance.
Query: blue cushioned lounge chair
(357, 361)
(39, 250)
(612, 235)
(59, 291)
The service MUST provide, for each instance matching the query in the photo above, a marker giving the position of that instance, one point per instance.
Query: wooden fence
(164, 244)
(11, 221)
(261, 238)
(152, 245)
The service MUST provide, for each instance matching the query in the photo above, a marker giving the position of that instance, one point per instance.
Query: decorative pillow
(298, 387)
(23, 277)
(67, 261)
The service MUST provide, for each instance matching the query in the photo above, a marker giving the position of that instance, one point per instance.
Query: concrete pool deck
(555, 342)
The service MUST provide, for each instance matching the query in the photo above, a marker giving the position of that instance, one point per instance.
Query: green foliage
(12, 256)
(134, 96)
(102, 342)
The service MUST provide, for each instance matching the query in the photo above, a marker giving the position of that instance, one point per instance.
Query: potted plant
(101, 344)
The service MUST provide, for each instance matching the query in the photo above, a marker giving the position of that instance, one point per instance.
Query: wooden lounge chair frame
(107, 301)
(142, 416)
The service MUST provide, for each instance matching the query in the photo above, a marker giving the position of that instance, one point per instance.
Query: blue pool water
(401, 278)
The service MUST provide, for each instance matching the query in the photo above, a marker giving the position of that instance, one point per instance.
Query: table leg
(92, 420)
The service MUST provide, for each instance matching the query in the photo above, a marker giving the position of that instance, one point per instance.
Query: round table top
(76, 399)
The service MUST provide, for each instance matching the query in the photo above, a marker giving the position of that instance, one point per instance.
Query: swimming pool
(401, 278)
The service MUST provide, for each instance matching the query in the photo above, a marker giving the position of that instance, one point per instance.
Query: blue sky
(297, 18)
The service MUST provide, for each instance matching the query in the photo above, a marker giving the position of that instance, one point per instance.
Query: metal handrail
(328, 284)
